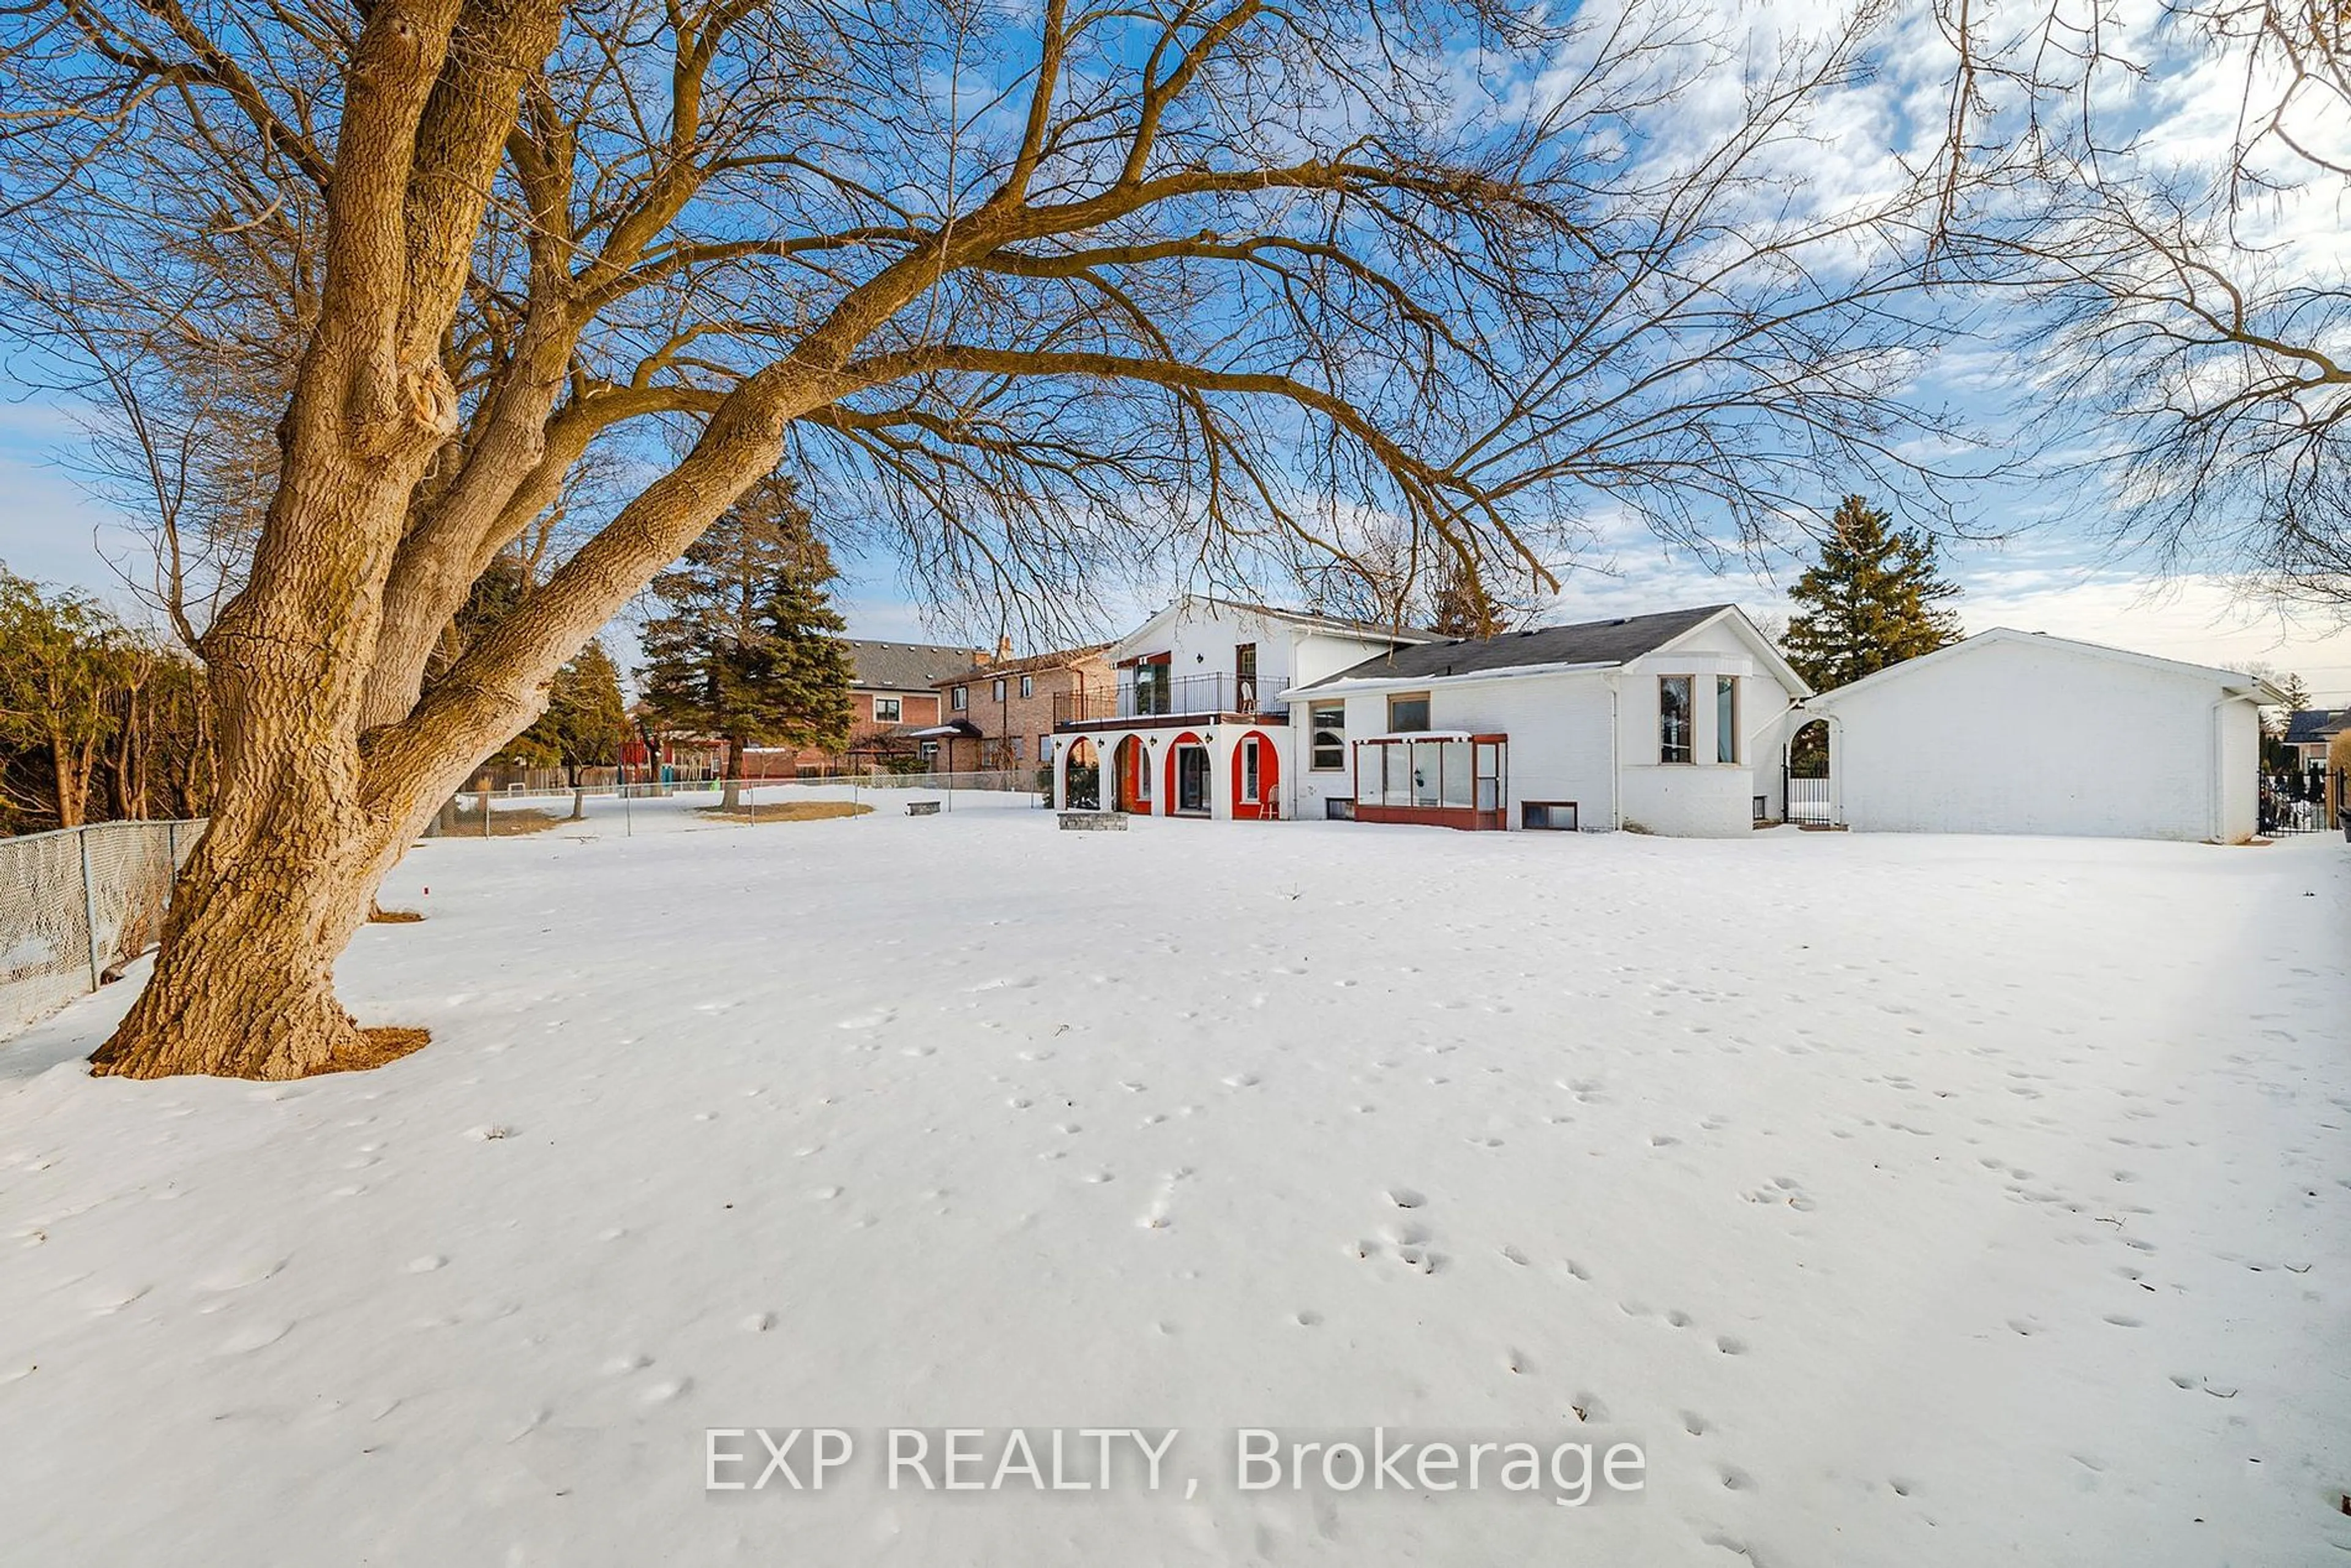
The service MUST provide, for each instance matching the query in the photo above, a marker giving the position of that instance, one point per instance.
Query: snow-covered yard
(1910, 1200)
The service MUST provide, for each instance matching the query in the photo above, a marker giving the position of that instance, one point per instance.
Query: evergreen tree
(747, 647)
(585, 722)
(1875, 599)
(1461, 606)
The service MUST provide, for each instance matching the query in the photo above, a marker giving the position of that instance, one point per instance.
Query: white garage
(2018, 732)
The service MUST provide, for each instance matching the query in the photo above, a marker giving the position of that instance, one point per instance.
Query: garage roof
(2232, 683)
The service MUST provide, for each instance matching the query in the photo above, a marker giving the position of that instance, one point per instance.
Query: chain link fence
(76, 904)
(516, 809)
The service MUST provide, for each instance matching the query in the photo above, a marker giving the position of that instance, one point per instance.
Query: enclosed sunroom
(1440, 778)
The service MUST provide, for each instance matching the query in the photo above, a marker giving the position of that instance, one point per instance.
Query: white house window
(1726, 718)
(1249, 770)
(928, 751)
(1674, 718)
(1027, 685)
(888, 710)
(1407, 711)
(996, 695)
(1330, 725)
(959, 699)
(1015, 744)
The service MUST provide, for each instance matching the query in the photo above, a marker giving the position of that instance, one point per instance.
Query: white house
(1196, 726)
(1673, 723)
(2018, 732)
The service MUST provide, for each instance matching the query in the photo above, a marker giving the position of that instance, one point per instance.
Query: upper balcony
(1188, 700)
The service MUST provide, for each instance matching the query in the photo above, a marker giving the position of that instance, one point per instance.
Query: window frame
(959, 700)
(897, 706)
(1667, 743)
(1727, 700)
(1252, 775)
(1527, 809)
(1027, 685)
(1314, 728)
(1425, 716)
(996, 693)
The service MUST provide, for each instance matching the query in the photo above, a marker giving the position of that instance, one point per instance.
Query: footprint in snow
(254, 1336)
(1406, 1197)
(427, 1264)
(874, 1019)
(240, 1274)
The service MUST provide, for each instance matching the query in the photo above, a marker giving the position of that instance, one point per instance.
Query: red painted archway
(1168, 799)
(1268, 804)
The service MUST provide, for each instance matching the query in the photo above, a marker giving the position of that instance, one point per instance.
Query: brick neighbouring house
(892, 694)
(999, 713)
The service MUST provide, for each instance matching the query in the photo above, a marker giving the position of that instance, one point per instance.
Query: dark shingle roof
(1591, 643)
(904, 666)
(2311, 725)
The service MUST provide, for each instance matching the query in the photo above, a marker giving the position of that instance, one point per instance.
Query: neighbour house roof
(1057, 660)
(954, 730)
(903, 666)
(1304, 620)
(2232, 683)
(2310, 725)
(1589, 643)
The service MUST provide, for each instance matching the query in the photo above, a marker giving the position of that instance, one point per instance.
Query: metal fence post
(88, 905)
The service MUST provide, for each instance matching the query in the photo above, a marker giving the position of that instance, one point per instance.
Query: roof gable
(2234, 683)
(1301, 620)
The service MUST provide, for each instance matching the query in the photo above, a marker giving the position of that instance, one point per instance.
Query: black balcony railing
(1153, 700)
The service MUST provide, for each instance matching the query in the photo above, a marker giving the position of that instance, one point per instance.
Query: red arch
(1265, 808)
(1134, 774)
(1166, 805)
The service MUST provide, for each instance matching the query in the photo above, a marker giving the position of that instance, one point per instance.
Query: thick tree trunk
(244, 985)
(733, 799)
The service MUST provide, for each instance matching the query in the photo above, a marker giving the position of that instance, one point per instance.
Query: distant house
(1000, 713)
(1671, 722)
(2310, 731)
(892, 694)
(2017, 732)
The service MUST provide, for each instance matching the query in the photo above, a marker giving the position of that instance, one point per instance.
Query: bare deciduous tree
(2193, 290)
(1041, 291)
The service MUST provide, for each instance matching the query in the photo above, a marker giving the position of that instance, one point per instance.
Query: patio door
(1192, 779)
